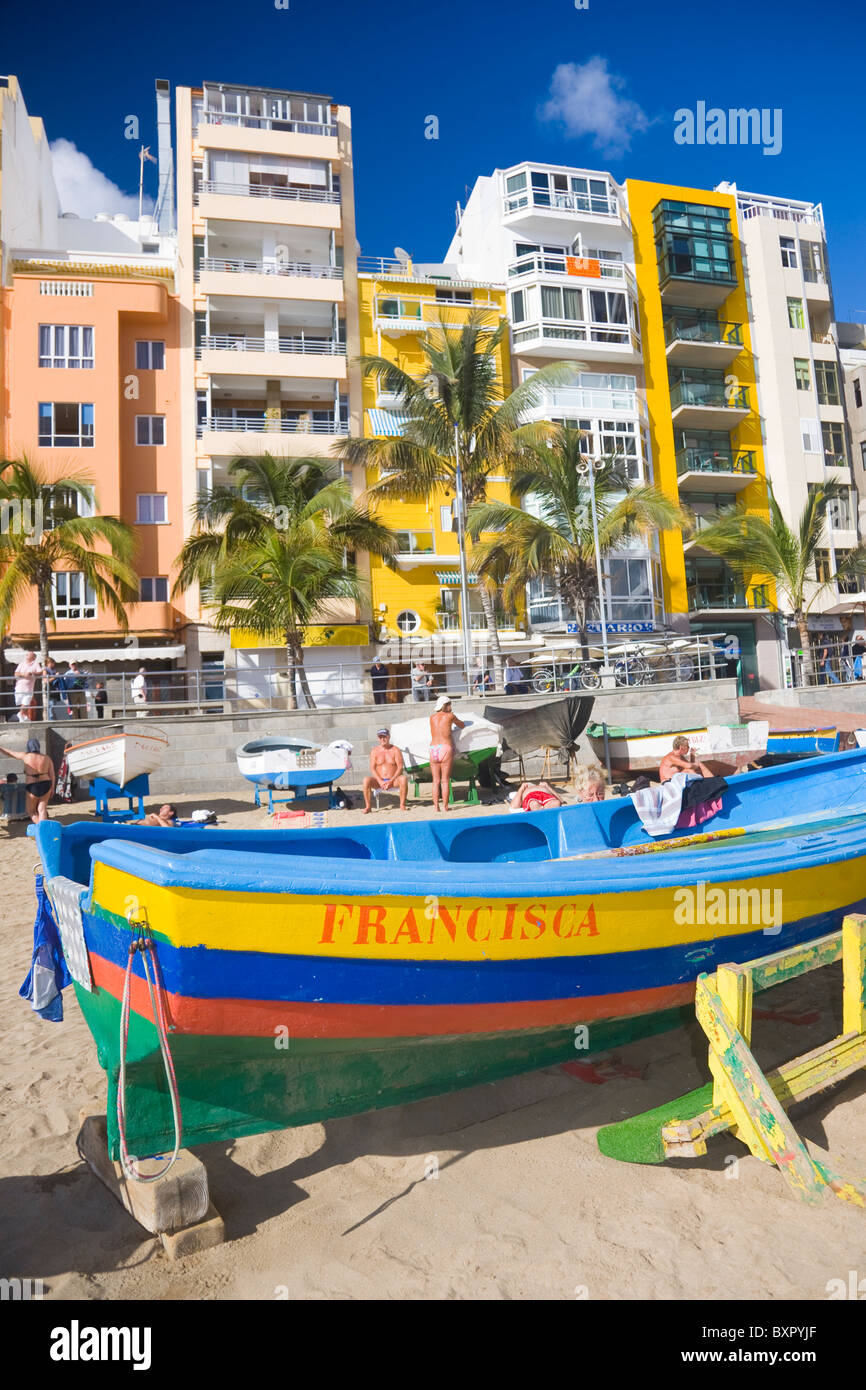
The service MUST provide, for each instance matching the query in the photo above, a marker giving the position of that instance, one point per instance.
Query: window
(451, 296)
(827, 383)
(518, 313)
(72, 596)
(811, 436)
(863, 456)
(788, 247)
(823, 572)
(802, 374)
(631, 595)
(795, 314)
(446, 518)
(559, 303)
(835, 455)
(858, 394)
(150, 355)
(151, 509)
(154, 590)
(66, 424)
(407, 621)
(150, 429)
(841, 510)
(65, 345)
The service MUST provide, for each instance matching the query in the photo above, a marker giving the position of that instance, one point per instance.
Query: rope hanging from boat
(145, 945)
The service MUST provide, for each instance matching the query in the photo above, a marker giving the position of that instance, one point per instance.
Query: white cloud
(84, 189)
(584, 97)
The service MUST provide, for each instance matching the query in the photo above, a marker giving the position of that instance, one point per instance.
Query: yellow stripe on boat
(454, 929)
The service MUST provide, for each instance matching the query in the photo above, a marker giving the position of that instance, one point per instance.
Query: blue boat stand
(104, 791)
(300, 790)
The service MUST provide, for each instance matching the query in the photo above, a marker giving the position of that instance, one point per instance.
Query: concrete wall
(202, 754)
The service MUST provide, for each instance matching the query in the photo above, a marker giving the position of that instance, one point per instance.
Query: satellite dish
(402, 256)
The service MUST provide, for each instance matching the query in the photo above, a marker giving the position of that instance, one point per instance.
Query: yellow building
(702, 401)
(399, 305)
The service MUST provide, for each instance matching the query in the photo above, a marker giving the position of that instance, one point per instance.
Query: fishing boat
(118, 756)
(722, 748)
(475, 744)
(402, 960)
(784, 745)
(281, 760)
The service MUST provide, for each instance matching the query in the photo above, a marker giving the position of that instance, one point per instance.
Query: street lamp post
(461, 545)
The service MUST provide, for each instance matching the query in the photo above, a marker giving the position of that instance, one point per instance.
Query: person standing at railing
(26, 672)
(858, 647)
(139, 692)
(379, 675)
(76, 697)
(826, 664)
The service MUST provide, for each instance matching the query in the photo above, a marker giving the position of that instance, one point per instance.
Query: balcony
(612, 272)
(274, 203)
(699, 470)
(395, 316)
(580, 400)
(558, 337)
(702, 340)
(708, 405)
(303, 354)
(239, 276)
(450, 622)
(534, 211)
(416, 548)
(725, 596)
(695, 253)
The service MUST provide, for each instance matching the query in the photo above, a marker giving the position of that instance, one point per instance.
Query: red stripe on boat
(262, 1017)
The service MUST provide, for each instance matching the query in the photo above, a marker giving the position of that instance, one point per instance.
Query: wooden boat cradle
(751, 1104)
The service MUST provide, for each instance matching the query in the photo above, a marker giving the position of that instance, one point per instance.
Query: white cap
(442, 702)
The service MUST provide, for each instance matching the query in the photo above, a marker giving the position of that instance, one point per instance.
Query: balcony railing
(273, 267)
(257, 424)
(450, 622)
(719, 461)
(687, 330)
(269, 190)
(679, 266)
(302, 342)
(813, 276)
(709, 394)
(542, 263)
(727, 595)
(569, 331)
(206, 117)
(595, 203)
(416, 543)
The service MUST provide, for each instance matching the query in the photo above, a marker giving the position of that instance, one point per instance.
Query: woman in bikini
(38, 778)
(442, 720)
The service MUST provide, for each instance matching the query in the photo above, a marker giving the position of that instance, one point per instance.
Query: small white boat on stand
(118, 757)
(722, 747)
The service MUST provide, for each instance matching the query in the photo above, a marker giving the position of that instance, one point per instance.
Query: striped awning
(385, 422)
(453, 577)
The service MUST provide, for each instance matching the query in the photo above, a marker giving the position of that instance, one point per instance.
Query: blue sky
(485, 70)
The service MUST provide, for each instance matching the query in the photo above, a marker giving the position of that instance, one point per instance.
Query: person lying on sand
(166, 816)
(534, 796)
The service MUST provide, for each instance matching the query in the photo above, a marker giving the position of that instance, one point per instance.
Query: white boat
(860, 736)
(118, 757)
(283, 760)
(478, 741)
(723, 747)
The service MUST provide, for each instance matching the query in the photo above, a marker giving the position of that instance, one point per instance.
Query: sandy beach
(497, 1192)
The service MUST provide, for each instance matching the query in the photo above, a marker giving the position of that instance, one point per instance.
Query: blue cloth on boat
(659, 805)
(48, 974)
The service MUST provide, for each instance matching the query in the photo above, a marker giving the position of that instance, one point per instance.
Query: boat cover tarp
(554, 724)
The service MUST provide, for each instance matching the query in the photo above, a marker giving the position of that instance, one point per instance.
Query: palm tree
(553, 536)
(60, 539)
(768, 547)
(455, 403)
(269, 552)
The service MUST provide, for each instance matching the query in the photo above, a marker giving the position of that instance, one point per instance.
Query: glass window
(833, 437)
(802, 374)
(515, 183)
(150, 429)
(518, 313)
(827, 383)
(151, 509)
(811, 436)
(788, 248)
(858, 394)
(840, 511)
(72, 596)
(67, 424)
(154, 590)
(150, 355)
(65, 345)
(795, 313)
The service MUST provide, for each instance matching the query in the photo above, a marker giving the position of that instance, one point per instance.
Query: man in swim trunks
(681, 759)
(165, 817)
(442, 721)
(386, 770)
(38, 778)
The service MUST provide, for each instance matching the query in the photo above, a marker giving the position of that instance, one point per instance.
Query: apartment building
(800, 375)
(418, 600)
(90, 345)
(267, 283)
(852, 356)
(705, 426)
(560, 239)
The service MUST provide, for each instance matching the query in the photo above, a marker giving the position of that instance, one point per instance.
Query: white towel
(659, 805)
